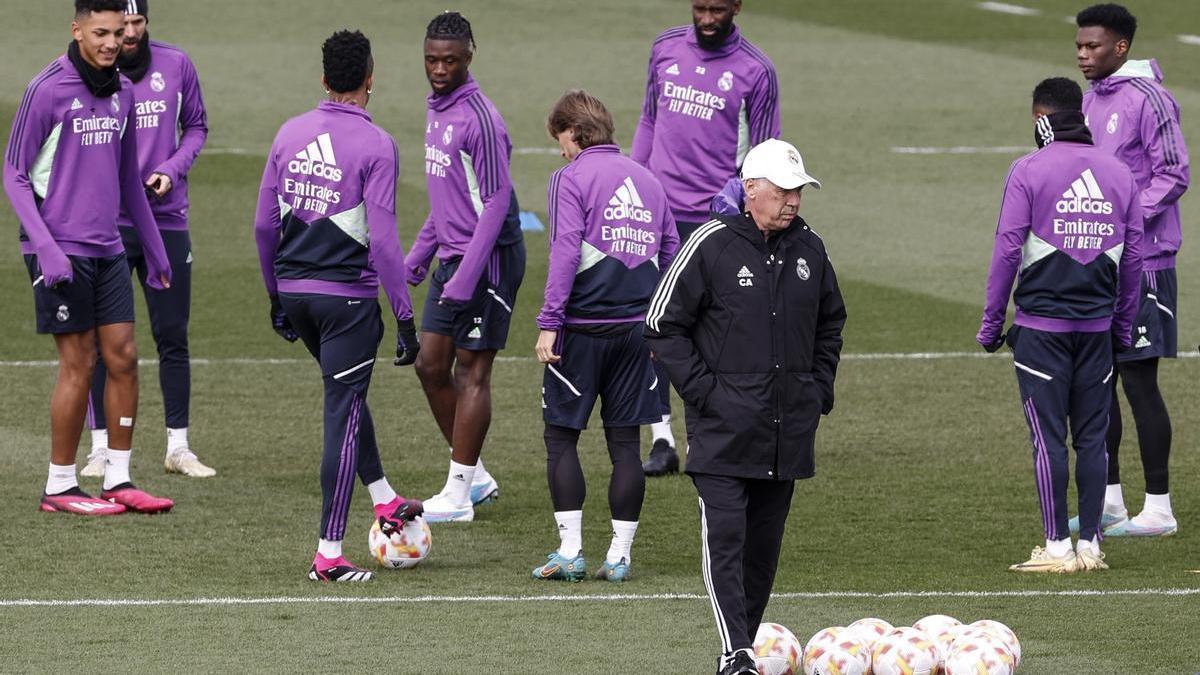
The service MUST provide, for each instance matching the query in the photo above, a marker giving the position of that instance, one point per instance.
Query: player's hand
(55, 266)
(159, 282)
(995, 345)
(545, 346)
(158, 185)
(407, 344)
(280, 321)
(416, 275)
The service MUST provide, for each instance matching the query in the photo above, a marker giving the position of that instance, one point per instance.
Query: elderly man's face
(772, 207)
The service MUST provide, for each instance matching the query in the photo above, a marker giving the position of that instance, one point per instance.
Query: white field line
(227, 151)
(537, 151)
(565, 598)
(866, 356)
(963, 150)
(1005, 8)
(1190, 39)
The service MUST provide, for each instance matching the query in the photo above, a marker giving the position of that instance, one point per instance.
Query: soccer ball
(818, 644)
(978, 652)
(869, 631)
(941, 628)
(905, 651)
(776, 650)
(1006, 635)
(838, 661)
(405, 548)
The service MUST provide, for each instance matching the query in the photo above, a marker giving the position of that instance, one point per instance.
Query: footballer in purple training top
(326, 234)
(1070, 233)
(474, 230)
(711, 95)
(171, 127)
(1134, 118)
(70, 168)
(611, 237)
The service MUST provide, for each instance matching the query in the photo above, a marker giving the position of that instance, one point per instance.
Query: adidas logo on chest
(317, 159)
(1084, 196)
(626, 204)
(745, 277)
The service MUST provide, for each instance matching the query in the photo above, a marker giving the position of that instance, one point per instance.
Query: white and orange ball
(869, 630)
(941, 628)
(838, 661)
(905, 651)
(406, 547)
(818, 644)
(978, 652)
(776, 650)
(1005, 634)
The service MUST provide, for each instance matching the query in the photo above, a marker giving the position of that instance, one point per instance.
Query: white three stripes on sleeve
(658, 303)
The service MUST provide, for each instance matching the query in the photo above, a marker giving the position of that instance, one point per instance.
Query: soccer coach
(748, 323)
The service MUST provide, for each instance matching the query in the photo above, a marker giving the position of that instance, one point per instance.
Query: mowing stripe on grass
(612, 597)
(866, 356)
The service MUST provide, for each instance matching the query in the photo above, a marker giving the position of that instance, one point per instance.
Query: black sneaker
(741, 663)
(662, 460)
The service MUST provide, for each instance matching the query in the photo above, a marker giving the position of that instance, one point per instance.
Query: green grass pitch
(924, 493)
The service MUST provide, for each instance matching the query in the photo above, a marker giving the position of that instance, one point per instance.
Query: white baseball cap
(779, 162)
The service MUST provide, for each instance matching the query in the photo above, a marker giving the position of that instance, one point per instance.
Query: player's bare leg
(68, 403)
(434, 366)
(119, 351)
(68, 407)
(457, 383)
(473, 413)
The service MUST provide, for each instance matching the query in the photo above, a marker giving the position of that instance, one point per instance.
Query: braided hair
(450, 26)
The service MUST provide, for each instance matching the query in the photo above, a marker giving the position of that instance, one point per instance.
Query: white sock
(176, 439)
(381, 491)
(481, 474)
(1160, 503)
(1092, 546)
(1113, 497)
(329, 549)
(622, 540)
(99, 439)
(662, 430)
(458, 484)
(116, 468)
(570, 532)
(60, 479)
(1058, 548)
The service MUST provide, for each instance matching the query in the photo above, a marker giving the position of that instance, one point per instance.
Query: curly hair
(1112, 16)
(346, 57)
(1058, 94)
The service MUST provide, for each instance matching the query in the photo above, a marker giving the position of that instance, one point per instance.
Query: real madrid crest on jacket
(767, 317)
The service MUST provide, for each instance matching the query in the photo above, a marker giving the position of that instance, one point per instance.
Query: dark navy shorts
(99, 294)
(1155, 331)
(614, 367)
(482, 323)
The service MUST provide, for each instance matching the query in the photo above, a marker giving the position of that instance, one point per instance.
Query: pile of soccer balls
(935, 645)
(404, 548)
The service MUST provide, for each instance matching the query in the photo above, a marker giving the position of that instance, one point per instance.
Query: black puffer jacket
(750, 332)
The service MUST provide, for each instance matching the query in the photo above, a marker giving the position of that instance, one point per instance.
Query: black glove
(280, 321)
(995, 346)
(407, 345)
